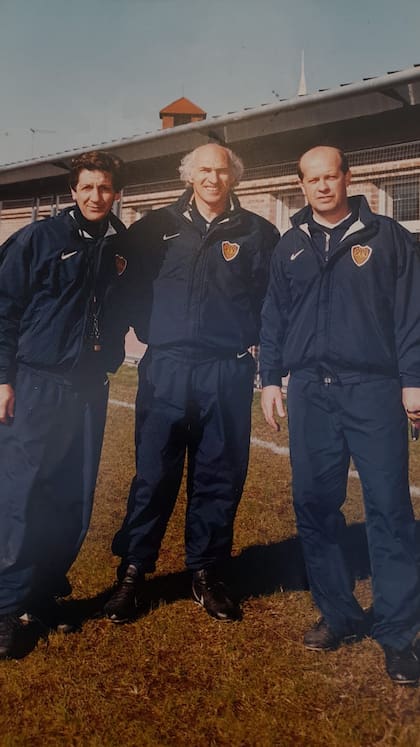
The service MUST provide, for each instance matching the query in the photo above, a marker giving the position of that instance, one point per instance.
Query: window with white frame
(287, 206)
(402, 201)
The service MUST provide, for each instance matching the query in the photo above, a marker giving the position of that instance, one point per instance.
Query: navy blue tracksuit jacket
(62, 327)
(342, 315)
(200, 290)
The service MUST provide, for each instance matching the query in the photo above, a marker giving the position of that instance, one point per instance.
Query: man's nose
(95, 194)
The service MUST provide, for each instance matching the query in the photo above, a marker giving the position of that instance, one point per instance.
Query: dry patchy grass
(177, 677)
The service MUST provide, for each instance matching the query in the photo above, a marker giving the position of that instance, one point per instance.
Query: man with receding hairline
(342, 315)
(201, 279)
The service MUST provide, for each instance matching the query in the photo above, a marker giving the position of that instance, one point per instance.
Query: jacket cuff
(272, 377)
(409, 380)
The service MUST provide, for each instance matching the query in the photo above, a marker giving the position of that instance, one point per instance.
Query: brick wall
(369, 189)
(264, 204)
(12, 220)
(261, 195)
(264, 196)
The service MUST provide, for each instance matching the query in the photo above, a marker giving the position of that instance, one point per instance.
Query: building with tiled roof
(376, 121)
(180, 112)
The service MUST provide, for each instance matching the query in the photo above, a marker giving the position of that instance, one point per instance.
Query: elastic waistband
(324, 375)
(199, 355)
(72, 381)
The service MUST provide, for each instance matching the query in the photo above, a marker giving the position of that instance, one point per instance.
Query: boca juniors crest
(229, 251)
(360, 254)
(120, 264)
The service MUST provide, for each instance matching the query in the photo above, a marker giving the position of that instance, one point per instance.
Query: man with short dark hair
(203, 271)
(342, 315)
(62, 328)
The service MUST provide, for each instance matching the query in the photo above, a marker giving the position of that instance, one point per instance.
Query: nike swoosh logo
(69, 254)
(241, 355)
(198, 597)
(166, 236)
(296, 254)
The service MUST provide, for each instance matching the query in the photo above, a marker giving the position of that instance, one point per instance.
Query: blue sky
(93, 70)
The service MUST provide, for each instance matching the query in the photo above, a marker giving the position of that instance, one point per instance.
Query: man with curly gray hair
(186, 168)
(201, 278)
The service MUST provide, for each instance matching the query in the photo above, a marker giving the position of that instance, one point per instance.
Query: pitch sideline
(268, 445)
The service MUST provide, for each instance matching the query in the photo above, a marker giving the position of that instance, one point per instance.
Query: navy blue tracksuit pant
(188, 403)
(328, 423)
(49, 457)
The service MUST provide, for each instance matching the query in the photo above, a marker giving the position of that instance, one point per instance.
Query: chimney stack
(182, 111)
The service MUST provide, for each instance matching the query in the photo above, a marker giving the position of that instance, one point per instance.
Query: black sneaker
(214, 596)
(50, 614)
(9, 626)
(122, 606)
(403, 667)
(321, 638)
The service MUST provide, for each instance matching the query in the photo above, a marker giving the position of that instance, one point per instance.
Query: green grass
(177, 677)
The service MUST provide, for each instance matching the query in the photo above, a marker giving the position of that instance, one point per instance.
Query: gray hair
(186, 167)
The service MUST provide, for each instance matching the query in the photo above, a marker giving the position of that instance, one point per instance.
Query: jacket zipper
(201, 278)
(327, 247)
(93, 264)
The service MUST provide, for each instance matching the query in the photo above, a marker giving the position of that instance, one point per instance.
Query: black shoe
(321, 638)
(403, 666)
(9, 626)
(214, 596)
(123, 604)
(50, 614)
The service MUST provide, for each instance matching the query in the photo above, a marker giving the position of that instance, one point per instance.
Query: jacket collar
(183, 205)
(114, 224)
(358, 204)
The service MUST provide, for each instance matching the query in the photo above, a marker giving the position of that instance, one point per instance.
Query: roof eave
(390, 93)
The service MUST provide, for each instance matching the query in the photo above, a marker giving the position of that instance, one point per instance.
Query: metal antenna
(302, 90)
(34, 131)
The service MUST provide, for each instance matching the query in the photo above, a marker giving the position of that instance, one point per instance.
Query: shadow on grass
(75, 611)
(26, 641)
(259, 570)
(265, 569)
(80, 610)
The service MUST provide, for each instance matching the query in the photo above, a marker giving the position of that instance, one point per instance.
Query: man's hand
(272, 402)
(411, 402)
(7, 403)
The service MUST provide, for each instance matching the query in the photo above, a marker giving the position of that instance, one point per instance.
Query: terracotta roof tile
(181, 106)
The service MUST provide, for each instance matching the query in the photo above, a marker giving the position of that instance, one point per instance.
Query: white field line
(120, 403)
(269, 446)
